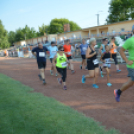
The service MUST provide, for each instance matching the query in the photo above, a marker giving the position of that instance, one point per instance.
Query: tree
(57, 25)
(43, 29)
(3, 37)
(120, 10)
(11, 37)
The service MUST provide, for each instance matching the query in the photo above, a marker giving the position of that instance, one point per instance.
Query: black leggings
(63, 73)
(114, 56)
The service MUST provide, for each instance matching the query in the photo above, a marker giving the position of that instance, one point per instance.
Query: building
(123, 27)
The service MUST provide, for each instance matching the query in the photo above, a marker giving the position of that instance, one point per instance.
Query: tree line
(56, 26)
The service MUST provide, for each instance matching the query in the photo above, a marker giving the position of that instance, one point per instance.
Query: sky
(18, 13)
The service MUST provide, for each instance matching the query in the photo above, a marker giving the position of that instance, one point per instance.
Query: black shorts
(114, 56)
(51, 60)
(83, 57)
(90, 65)
(41, 65)
(69, 58)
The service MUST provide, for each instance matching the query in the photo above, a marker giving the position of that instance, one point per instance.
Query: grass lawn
(23, 112)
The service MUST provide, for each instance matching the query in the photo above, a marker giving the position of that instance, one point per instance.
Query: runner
(128, 45)
(61, 65)
(101, 51)
(105, 58)
(53, 50)
(114, 51)
(67, 50)
(40, 53)
(92, 63)
(83, 48)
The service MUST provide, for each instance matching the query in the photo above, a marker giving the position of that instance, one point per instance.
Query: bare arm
(102, 57)
(100, 50)
(54, 64)
(34, 53)
(88, 55)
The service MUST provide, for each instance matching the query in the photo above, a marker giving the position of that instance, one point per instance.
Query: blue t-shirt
(83, 49)
(103, 48)
(53, 51)
(40, 54)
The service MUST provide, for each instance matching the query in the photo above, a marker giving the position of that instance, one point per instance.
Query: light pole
(98, 15)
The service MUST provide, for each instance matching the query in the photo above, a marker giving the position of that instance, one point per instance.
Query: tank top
(94, 58)
(113, 50)
(107, 57)
(61, 61)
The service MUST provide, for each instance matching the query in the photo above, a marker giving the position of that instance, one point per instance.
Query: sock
(119, 92)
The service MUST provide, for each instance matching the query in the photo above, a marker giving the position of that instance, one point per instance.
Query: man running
(83, 48)
(67, 50)
(114, 51)
(53, 51)
(128, 45)
(40, 53)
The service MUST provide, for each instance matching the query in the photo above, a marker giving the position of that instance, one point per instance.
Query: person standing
(40, 53)
(92, 63)
(67, 50)
(128, 45)
(113, 50)
(83, 48)
(60, 61)
(53, 51)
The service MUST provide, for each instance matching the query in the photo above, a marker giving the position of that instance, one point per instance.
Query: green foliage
(26, 112)
(120, 10)
(57, 25)
(3, 37)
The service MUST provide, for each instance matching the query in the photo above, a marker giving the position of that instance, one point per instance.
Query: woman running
(113, 50)
(61, 66)
(105, 58)
(92, 63)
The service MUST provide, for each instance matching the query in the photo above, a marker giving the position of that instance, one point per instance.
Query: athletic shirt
(107, 57)
(103, 48)
(95, 56)
(67, 49)
(113, 50)
(61, 61)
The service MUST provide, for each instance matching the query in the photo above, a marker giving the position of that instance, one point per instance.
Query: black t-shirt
(40, 53)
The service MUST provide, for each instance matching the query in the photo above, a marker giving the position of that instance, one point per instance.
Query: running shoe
(40, 77)
(81, 67)
(44, 82)
(59, 80)
(95, 86)
(102, 74)
(83, 79)
(65, 87)
(118, 71)
(73, 72)
(51, 72)
(109, 84)
(117, 96)
(56, 74)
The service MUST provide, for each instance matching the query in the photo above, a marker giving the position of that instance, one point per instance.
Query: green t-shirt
(129, 45)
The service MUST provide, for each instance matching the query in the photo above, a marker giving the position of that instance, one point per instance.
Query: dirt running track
(96, 103)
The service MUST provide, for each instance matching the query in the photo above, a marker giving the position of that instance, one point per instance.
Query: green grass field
(26, 112)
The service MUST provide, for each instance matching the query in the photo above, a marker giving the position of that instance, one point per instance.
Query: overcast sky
(18, 13)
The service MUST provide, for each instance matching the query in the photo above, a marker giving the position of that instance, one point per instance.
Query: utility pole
(98, 15)
(98, 23)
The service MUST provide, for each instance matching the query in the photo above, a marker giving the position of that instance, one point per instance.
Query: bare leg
(91, 74)
(127, 85)
(108, 72)
(96, 71)
(71, 65)
(117, 67)
(42, 73)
